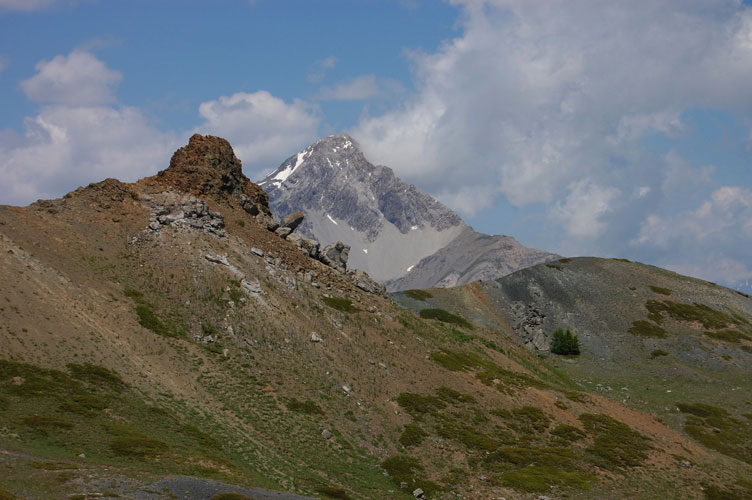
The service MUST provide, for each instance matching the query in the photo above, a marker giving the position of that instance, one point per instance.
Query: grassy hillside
(130, 358)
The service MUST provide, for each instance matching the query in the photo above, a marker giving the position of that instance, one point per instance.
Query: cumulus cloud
(361, 88)
(77, 137)
(262, 128)
(550, 102)
(78, 78)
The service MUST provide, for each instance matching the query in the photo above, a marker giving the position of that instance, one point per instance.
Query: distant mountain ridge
(398, 234)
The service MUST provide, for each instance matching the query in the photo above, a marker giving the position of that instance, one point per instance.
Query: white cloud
(78, 138)
(536, 95)
(262, 129)
(75, 79)
(361, 88)
(320, 68)
(584, 207)
(66, 147)
(4, 62)
(26, 5)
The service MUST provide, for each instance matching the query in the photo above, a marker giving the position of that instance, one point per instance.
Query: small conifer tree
(565, 342)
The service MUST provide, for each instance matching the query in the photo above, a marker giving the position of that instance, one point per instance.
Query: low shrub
(445, 317)
(733, 336)
(421, 295)
(451, 396)
(306, 407)
(335, 493)
(230, 496)
(340, 304)
(660, 290)
(137, 447)
(412, 435)
(419, 404)
(657, 353)
(539, 479)
(568, 433)
(96, 375)
(615, 444)
(565, 343)
(691, 313)
(643, 328)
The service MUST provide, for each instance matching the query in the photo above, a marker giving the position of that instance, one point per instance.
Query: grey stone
(335, 255)
(418, 493)
(326, 434)
(257, 251)
(315, 337)
(292, 220)
(282, 232)
(217, 259)
(365, 283)
(251, 286)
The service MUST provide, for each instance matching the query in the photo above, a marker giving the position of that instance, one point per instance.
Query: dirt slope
(159, 328)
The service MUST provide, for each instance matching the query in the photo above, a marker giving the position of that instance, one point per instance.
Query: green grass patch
(335, 493)
(421, 295)
(660, 290)
(657, 353)
(137, 447)
(647, 329)
(413, 435)
(306, 407)
(96, 375)
(149, 320)
(451, 396)
(459, 337)
(700, 313)
(53, 466)
(615, 444)
(457, 361)
(340, 304)
(6, 495)
(733, 336)
(541, 478)
(568, 433)
(718, 430)
(405, 469)
(230, 496)
(419, 404)
(445, 317)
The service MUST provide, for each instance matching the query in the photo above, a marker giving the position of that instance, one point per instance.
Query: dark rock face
(208, 167)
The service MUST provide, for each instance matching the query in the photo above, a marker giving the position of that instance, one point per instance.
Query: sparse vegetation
(306, 407)
(643, 328)
(230, 496)
(412, 435)
(445, 317)
(660, 290)
(419, 404)
(717, 429)
(615, 444)
(568, 433)
(657, 353)
(700, 313)
(733, 336)
(340, 304)
(421, 295)
(565, 343)
(137, 447)
(540, 478)
(404, 468)
(335, 493)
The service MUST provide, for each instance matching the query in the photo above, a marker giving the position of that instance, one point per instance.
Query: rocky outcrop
(172, 209)
(208, 167)
(308, 246)
(292, 220)
(335, 255)
(365, 283)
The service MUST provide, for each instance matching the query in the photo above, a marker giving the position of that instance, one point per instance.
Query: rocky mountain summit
(398, 234)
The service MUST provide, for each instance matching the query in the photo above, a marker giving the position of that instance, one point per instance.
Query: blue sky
(582, 127)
